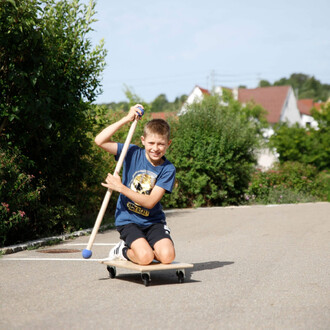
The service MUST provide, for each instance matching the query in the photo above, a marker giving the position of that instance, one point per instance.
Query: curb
(47, 240)
(42, 242)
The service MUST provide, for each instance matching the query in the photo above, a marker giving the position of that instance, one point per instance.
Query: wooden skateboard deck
(145, 270)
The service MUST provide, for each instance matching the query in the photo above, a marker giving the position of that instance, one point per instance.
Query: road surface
(259, 267)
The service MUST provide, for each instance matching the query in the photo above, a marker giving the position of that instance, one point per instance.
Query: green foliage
(213, 152)
(290, 182)
(159, 104)
(307, 86)
(291, 142)
(19, 196)
(49, 75)
(305, 145)
(264, 83)
(320, 153)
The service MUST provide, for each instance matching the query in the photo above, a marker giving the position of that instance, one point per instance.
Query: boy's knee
(145, 257)
(166, 256)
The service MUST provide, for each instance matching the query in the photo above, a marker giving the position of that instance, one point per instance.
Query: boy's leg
(140, 252)
(138, 249)
(146, 245)
(159, 238)
(164, 251)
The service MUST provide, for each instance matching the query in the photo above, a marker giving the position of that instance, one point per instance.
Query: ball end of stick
(141, 111)
(86, 254)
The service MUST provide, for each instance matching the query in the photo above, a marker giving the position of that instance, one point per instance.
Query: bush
(290, 182)
(49, 76)
(19, 198)
(213, 152)
(305, 145)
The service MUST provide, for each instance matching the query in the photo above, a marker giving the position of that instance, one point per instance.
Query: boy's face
(155, 146)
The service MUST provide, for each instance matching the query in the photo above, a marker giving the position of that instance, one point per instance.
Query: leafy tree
(264, 83)
(307, 86)
(291, 142)
(159, 103)
(320, 153)
(49, 76)
(213, 151)
(309, 146)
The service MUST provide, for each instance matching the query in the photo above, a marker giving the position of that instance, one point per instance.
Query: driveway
(259, 267)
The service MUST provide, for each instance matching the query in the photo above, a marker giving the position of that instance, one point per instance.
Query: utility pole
(212, 75)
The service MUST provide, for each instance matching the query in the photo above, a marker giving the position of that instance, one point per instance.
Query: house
(279, 102)
(305, 106)
(196, 95)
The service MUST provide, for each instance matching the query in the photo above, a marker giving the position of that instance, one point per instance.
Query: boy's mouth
(155, 154)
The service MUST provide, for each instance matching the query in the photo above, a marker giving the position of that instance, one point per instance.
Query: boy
(147, 175)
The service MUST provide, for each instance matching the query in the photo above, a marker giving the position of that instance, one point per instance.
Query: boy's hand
(113, 182)
(135, 112)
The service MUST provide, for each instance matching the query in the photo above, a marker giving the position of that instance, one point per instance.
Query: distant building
(196, 95)
(279, 102)
(305, 106)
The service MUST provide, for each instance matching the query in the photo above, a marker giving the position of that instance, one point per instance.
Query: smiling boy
(147, 175)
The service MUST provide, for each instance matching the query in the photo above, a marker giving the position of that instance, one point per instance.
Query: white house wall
(290, 111)
(308, 121)
(195, 96)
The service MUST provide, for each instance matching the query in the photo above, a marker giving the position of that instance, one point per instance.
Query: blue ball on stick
(141, 110)
(86, 253)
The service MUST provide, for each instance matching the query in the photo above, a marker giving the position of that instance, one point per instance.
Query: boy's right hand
(135, 112)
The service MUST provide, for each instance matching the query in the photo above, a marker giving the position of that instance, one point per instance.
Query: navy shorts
(153, 233)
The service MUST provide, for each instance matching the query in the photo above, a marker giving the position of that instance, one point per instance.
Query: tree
(159, 103)
(307, 86)
(264, 83)
(49, 76)
(213, 151)
(305, 145)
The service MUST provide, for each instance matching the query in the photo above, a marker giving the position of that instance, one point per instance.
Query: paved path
(258, 267)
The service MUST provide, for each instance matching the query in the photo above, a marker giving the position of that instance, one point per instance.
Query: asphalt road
(260, 267)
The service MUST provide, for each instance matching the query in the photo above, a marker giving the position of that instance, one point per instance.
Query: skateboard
(180, 267)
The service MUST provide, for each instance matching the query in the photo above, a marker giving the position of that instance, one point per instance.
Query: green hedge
(290, 182)
(213, 152)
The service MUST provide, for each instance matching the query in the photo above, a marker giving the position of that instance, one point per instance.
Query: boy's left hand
(113, 182)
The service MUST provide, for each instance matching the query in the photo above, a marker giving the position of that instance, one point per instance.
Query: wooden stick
(87, 254)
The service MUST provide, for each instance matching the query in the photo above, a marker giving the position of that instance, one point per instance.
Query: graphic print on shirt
(142, 182)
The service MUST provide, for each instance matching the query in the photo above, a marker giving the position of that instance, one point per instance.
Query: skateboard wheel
(112, 271)
(145, 278)
(180, 275)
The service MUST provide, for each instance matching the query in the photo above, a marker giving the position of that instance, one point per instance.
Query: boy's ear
(142, 139)
(169, 143)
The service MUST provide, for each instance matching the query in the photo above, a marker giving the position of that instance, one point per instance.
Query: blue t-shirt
(141, 176)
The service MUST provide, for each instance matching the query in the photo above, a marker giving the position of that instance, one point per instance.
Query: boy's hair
(157, 126)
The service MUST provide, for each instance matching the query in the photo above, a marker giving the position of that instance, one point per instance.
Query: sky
(170, 46)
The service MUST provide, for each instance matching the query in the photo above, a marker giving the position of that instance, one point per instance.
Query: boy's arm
(113, 182)
(103, 139)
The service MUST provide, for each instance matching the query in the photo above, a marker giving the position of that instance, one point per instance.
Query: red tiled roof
(270, 98)
(305, 106)
(162, 115)
(204, 91)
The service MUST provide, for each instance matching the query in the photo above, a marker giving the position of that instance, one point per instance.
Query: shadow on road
(210, 265)
(168, 277)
